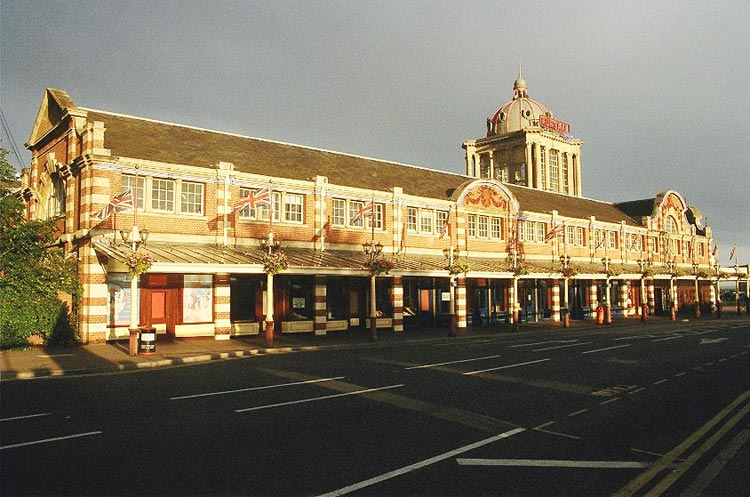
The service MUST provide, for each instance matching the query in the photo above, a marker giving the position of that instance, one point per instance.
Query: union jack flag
(262, 196)
(366, 211)
(558, 230)
(119, 203)
(733, 252)
(446, 228)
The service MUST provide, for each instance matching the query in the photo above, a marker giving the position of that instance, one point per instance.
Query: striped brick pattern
(556, 300)
(461, 320)
(593, 298)
(397, 300)
(95, 299)
(222, 323)
(320, 305)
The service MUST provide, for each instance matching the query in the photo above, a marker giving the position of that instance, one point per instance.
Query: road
(596, 412)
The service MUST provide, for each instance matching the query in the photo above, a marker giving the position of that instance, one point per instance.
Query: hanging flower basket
(648, 272)
(137, 263)
(379, 266)
(520, 270)
(275, 262)
(569, 272)
(458, 267)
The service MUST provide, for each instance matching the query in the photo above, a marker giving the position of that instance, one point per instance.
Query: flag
(557, 230)
(733, 252)
(365, 211)
(262, 196)
(446, 228)
(119, 203)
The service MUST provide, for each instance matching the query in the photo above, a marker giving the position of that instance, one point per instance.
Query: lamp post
(642, 264)
(514, 312)
(737, 290)
(270, 244)
(372, 250)
(565, 263)
(717, 271)
(607, 307)
(451, 254)
(672, 311)
(135, 238)
(697, 295)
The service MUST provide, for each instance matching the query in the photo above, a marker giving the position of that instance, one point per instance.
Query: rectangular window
(197, 298)
(354, 207)
(541, 232)
(521, 230)
(569, 235)
(338, 216)
(701, 250)
(612, 239)
(543, 168)
(377, 218)
(579, 237)
(483, 231)
(529, 235)
(191, 198)
(472, 225)
(440, 219)
(564, 174)
(426, 220)
(496, 228)
(652, 246)
(293, 208)
(139, 191)
(553, 172)
(162, 195)
(411, 218)
(262, 211)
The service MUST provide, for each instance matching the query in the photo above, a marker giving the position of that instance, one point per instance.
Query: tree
(33, 273)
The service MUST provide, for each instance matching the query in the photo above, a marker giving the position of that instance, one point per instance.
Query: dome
(518, 113)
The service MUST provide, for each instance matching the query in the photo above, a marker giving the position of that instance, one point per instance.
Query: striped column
(512, 303)
(593, 298)
(397, 301)
(712, 296)
(321, 306)
(461, 303)
(222, 323)
(624, 294)
(556, 300)
(651, 298)
(93, 310)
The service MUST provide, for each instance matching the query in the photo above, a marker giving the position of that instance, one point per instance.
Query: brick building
(515, 228)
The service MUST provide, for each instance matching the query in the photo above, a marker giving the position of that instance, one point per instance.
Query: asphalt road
(599, 412)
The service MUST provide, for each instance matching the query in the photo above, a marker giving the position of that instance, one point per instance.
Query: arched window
(56, 202)
(670, 225)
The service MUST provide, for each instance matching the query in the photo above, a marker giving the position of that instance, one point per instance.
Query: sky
(657, 90)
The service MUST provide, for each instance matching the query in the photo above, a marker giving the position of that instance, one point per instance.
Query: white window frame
(338, 212)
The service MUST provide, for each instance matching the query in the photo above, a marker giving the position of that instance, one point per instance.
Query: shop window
(336, 299)
(243, 292)
(301, 300)
(197, 298)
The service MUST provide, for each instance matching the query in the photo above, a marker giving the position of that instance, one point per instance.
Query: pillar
(593, 298)
(650, 297)
(556, 300)
(222, 293)
(461, 304)
(397, 302)
(624, 294)
(321, 306)
(513, 302)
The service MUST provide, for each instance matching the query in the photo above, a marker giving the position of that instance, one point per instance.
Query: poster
(197, 298)
(118, 285)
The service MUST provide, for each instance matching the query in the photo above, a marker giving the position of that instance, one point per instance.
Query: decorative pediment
(55, 107)
(486, 195)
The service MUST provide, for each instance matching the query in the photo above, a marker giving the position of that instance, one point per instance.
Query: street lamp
(607, 307)
(697, 295)
(269, 245)
(672, 303)
(516, 306)
(717, 271)
(737, 291)
(643, 264)
(372, 250)
(451, 254)
(565, 263)
(135, 238)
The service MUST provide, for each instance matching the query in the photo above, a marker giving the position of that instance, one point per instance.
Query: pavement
(45, 361)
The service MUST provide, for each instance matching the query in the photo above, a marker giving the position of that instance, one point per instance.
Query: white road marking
(469, 373)
(48, 440)
(251, 389)
(541, 343)
(26, 416)
(561, 346)
(427, 462)
(52, 356)
(553, 463)
(680, 374)
(315, 399)
(576, 413)
(668, 338)
(609, 401)
(705, 341)
(424, 366)
(660, 382)
(606, 348)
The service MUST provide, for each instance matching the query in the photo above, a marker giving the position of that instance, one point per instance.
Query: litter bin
(146, 340)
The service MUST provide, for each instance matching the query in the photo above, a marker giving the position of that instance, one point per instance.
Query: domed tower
(527, 145)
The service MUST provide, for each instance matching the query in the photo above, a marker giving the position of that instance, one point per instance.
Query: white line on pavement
(469, 373)
(553, 463)
(47, 440)
(561, 346)
(606, 348)
(251, 389)
(541, 343)
(421, 464)
(315, 399)
(668, 338)
(26, 416)
(424, 366)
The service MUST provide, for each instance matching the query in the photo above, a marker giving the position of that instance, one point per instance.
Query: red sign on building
(554, 125)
